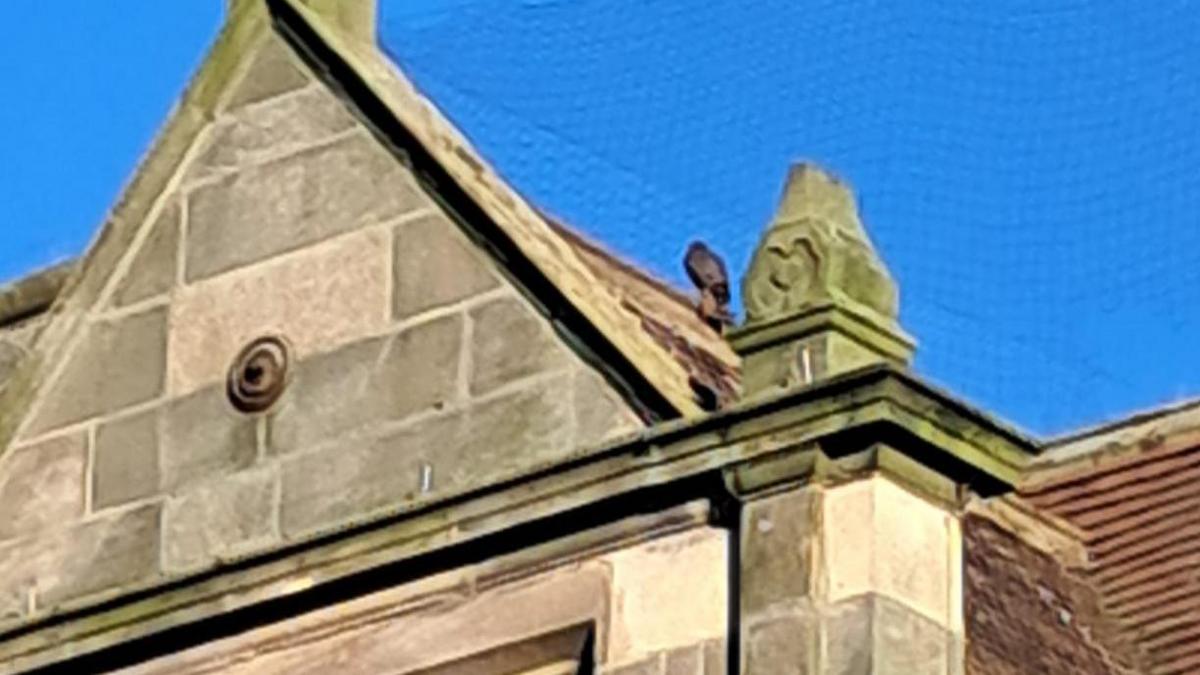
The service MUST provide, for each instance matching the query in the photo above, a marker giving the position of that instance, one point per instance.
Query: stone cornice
(669, 464)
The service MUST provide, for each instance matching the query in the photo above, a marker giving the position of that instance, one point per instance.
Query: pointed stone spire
(818, 299)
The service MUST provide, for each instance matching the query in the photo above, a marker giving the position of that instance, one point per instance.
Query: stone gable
(417, 370)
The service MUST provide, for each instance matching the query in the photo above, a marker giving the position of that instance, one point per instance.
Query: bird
(707, 271)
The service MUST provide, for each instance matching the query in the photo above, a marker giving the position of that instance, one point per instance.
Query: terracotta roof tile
(667, 315)
(1133, 493)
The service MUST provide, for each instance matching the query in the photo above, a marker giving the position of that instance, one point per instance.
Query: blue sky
(86, 86)
(1027, 168)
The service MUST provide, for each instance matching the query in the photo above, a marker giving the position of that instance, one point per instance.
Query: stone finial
(818, 299)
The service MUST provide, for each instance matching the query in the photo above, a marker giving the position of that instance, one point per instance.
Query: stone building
(326, 395)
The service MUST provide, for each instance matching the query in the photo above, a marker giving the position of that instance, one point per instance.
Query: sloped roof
(666, 314)
(1131, 492)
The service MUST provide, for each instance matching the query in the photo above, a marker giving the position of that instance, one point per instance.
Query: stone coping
(672, 463)
(33, 294)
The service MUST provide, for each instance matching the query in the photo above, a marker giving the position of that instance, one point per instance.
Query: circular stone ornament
(259, 375)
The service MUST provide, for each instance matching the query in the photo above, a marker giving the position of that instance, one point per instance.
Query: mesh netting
(1027, 169)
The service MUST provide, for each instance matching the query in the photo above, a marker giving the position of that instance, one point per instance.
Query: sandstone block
(600, 414)
(274, 71)
(317, 299)
(10, 355)
(846, 637)
(685, 661)
(509, 435)
(509, 342)
(649, 666)
(369, 382)
(918, 556)
(118, 363)
(153, 269)
(204, 436)
(41, 486)
(782, 645)
(274, 128)
(341, 484)
(907, 643)
(125, 463)
(219, 520)
(668, 594)
(90, 557)
(778, 535)
(293, 202)
(435, 264)
(849, 539)
(716, 657)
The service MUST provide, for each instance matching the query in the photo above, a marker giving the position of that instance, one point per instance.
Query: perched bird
(707, 271)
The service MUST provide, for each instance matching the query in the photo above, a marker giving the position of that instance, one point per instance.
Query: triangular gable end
(416, 369)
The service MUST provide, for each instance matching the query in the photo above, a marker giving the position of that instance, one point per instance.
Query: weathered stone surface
(90, 557)
(406, 630)
(419, 373)
(118, 363)
(509, 435)
(716, 657)
(153, 270)
(274, 71)
(777, 548)
(204, 436)
(293, 202)
(649, 666)
(600, 414)
(685, 661)
(907, 643)
(436, 265)
(510, 341)
(317, 299)
(918, 553)
(41, 486)
(369, 382)
(849, 539)
(846, 635)
(670, 593)
(783, 645)
(340, 484)
(219, 520)
(10, 355)
(287, 124)
(125, 462)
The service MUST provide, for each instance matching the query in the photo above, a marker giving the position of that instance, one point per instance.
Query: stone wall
(16, 339)
(419, 371)
(862, 577)
(656, 600)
